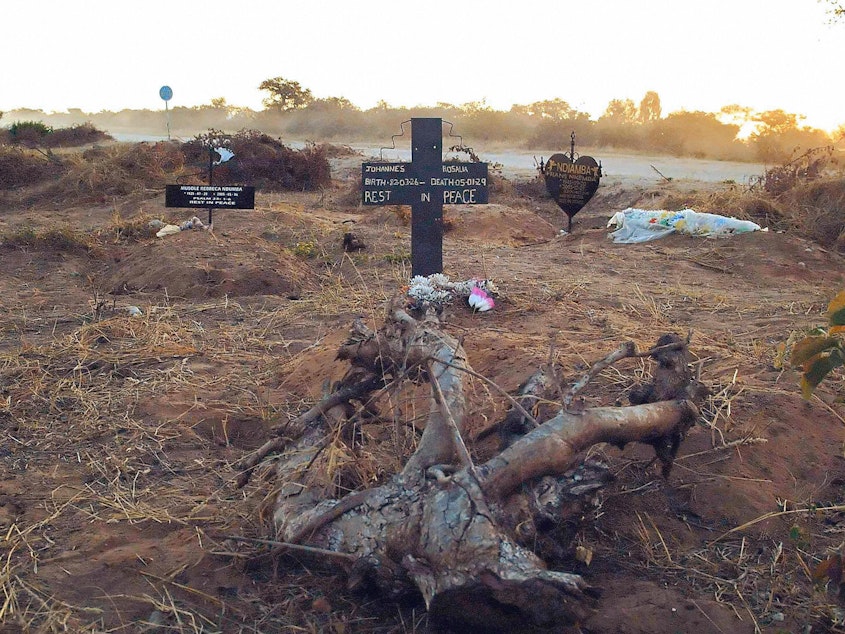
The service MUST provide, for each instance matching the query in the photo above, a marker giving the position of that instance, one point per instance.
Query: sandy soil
(117, 495)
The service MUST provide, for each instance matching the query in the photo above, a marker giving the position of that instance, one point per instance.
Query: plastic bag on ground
(192, 223)
(644, 225)
(168, 230)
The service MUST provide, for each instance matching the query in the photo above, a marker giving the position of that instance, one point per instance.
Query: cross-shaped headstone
(426, 183)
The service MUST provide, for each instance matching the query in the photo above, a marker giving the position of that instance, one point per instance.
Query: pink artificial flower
(480, 301)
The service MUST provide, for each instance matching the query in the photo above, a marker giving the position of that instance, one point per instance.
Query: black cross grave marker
(426, 183)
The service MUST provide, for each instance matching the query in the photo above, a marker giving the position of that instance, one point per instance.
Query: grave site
(260, 423)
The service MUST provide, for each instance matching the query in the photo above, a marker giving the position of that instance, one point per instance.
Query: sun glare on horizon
(763, 54)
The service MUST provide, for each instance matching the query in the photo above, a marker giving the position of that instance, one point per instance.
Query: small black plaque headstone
(210, 196)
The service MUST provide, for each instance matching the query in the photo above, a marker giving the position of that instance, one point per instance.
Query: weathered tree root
(446, 526)
(296, 427)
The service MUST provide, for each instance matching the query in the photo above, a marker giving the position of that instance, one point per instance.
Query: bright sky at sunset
(115, 54)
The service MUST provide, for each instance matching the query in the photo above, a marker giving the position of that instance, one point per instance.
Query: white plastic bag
(643, 225)
(168, 230)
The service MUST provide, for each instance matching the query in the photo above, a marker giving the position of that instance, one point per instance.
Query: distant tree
(285, 94)
(28, 114)
(694, 134)
(778, 136)
(553, 109)
(735, 114)
(776, 121)
(554, 120)
(619, 125)
(620, 111)
(333, 103)
(219, 102)
(473, 108)
(650, 107)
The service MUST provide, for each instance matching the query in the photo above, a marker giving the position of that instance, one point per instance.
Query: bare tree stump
(447, 527)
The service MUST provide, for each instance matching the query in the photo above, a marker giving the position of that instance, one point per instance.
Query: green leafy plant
(823, 349)
(31, 134)
(305, 249)
(21, 128)
(397, 257)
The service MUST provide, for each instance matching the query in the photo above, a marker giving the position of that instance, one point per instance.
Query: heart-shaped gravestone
(571, 184)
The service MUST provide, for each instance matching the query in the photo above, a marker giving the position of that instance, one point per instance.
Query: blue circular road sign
(166, 93)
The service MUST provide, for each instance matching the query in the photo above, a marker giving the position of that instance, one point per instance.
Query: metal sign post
(166, 93)
(426, 183)
(211, 154)
(216, 147)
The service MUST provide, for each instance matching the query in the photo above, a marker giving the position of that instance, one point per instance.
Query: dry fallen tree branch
(295, 428)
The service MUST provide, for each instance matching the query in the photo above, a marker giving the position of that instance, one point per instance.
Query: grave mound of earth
(497, 224)
(190, 265)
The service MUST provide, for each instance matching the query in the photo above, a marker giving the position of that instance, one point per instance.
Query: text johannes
(460, 189)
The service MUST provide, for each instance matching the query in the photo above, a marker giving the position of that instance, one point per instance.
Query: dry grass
(20, 167)
(74, 408)
(120, 169)
(760, 578)
(100, 174)
(99, 370)
(809, 208)
(62, 239)
(138, 471)
(86, 411)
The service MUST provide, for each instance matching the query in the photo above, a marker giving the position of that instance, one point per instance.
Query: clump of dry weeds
(104, 172)
(36, 134)
(76, 135)
(73, 408)
(263, 161)
(813, 208)
(63, 239)
(22, 168)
